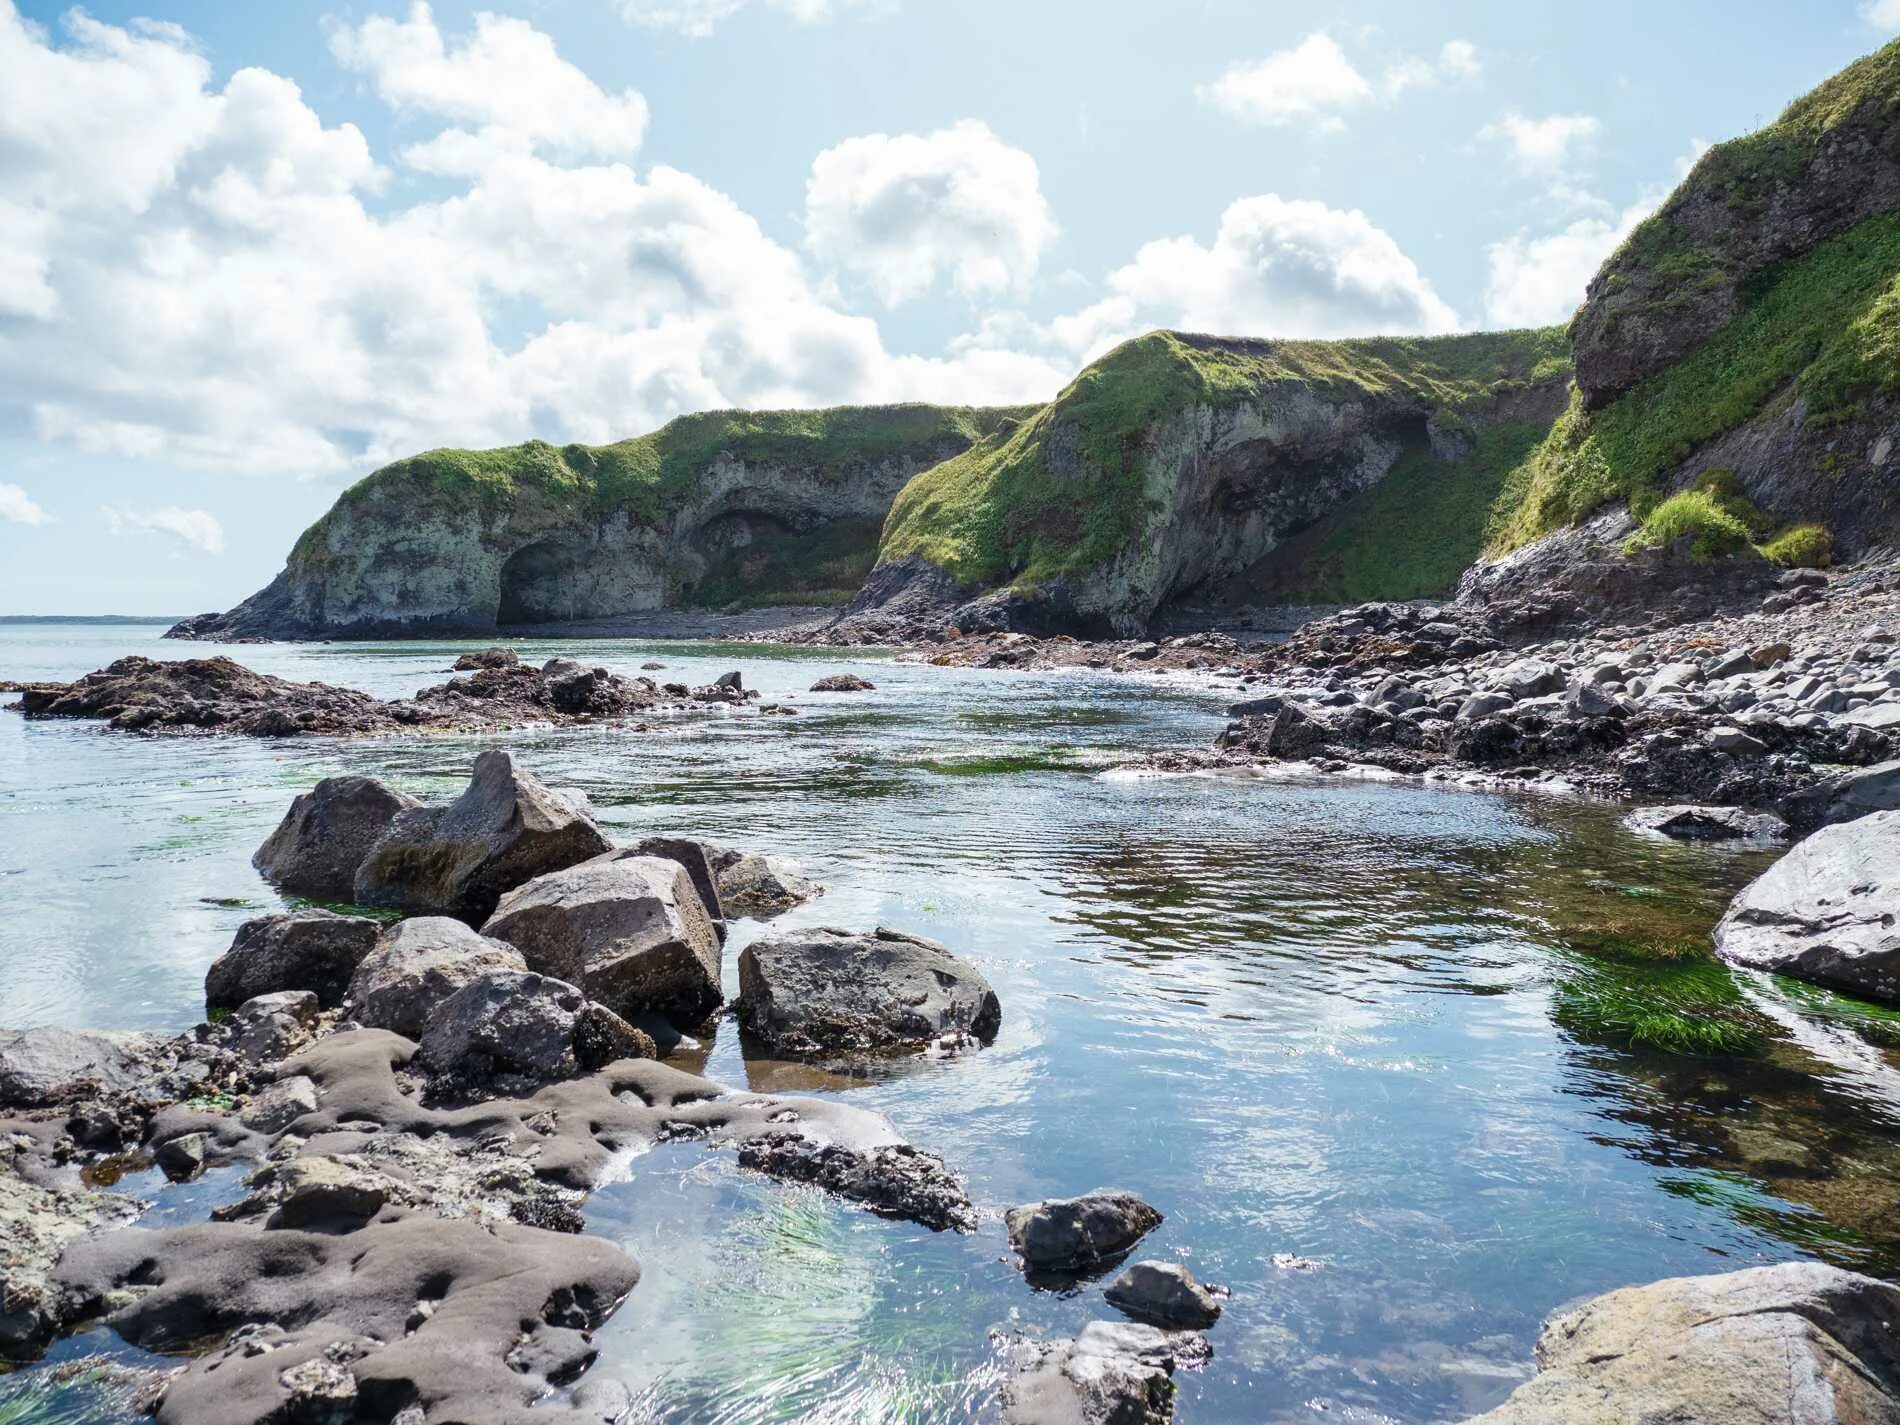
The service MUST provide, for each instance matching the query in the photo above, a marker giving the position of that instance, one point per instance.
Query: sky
(250, 252)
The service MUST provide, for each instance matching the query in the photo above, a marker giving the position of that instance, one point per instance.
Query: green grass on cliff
(1825, 325)
(1069, 488)
(650, 476)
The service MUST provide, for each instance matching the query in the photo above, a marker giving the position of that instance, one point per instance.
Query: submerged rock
(313, 950)
(459, 859)
(323, 838)
(417, 966)
(1111, 1373)
(1698, 823)
(830, 991)
(1796, 1344)
(1163, 1294)
(895, 1180)
(629, 929)
(1826, 912)
(1079, 1234)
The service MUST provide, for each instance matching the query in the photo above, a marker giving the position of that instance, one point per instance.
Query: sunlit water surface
(1369, 1046)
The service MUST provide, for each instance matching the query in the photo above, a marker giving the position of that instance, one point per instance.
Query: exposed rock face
(1797, 1344)
(506, 828)
(697, 860)
(705, 510)
(313, 950)
(630, 929)
(843, 683)
(828, 991)
(417, 966)
(1826, 912)
(326, 834)
(1163, 1294)
(1079, 1234)
(37, 1223)
(1113, 1373)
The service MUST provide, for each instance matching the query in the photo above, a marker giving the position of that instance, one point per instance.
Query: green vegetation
(1713, 532)
(1411, 535)
(650, 476)
(1686, 1005)
(821, 566)
(1826, 324)
(1069, 488)
(1804, 546)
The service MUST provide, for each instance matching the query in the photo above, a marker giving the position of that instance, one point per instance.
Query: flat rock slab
(829, 991)
(1797, 1344)
(1828, 911)
(1686, 822)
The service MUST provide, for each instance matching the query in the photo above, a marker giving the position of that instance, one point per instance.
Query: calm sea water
(1393, 1035)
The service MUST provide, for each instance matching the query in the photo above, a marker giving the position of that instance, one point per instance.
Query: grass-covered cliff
(1176, 460)
(1752, 325)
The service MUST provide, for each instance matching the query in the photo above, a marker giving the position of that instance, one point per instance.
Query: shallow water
(1394, 1032)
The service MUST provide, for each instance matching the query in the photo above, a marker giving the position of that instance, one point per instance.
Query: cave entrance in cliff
(537, 584)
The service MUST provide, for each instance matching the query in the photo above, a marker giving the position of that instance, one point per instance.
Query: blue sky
(248, 252)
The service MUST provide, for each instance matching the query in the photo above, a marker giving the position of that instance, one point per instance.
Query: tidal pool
(1406, 1067)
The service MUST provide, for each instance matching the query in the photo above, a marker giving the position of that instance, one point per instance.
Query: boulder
(271, 1026)
(1163, 1294)
(1795, 1344)
(505, 829)
(1111, 1373)
(492, 657)
(826, 991)
(1079, 1234)
(843, 683)
(697, 860)
(630, 929)
(416, 966)
(322, 840)
(759, 886)
(1826, 911)
(45, 1066)
(506, 1021)
(315, 950)
(1531, 678)
(38, 1221)
(1847, 795)
(278, 1105)
(1700, 823)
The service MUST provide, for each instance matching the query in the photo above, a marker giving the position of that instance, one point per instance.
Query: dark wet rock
(416, 966)
(323, 838)
(38, 1221)
(314, 950)
(602, 1037)
(895, 1180)
(758, 886)
(493, 657)
(183, 1157)
(697, 860)
(629, 929)
(430, 1319)
(140, 694)
(506, 828)
(1111, 1373)
(41, 1067)
(843, 683)
(1079, 1234)
(1846, 796)
(1796, 1344)
(506, 1022)
(825, 990)
(1826, 912)
(1699, 823)
(1163, 1294)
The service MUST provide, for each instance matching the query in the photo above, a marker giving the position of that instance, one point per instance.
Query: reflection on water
(1464, 1052)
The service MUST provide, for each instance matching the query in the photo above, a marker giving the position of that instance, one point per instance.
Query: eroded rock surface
(1112, 1373)
(1797, 1344)
(1828, 911)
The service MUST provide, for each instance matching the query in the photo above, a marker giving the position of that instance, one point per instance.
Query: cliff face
(1750, 327)
(710, 510)
(1182, 465)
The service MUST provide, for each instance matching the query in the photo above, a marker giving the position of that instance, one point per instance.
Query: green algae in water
(1684, 1007)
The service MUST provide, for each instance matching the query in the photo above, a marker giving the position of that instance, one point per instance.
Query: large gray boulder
(697, 860)
(460, 859)
(1826, 911)
(507, 1021)
(826, 990)
(1796, 1344)
(415, 968)
(323, 838)
(1079, 1234)
(1111, 1373)
(44, 1066)
(629, 929)
(315, 950)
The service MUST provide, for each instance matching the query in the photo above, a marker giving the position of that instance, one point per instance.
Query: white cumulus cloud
(1541, 146)
(1276, 267)
(194, 529)
(17, 507)
(700, 18)
(1312, 83)
(1882, 14)
(901, 212)
(1456, 62)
